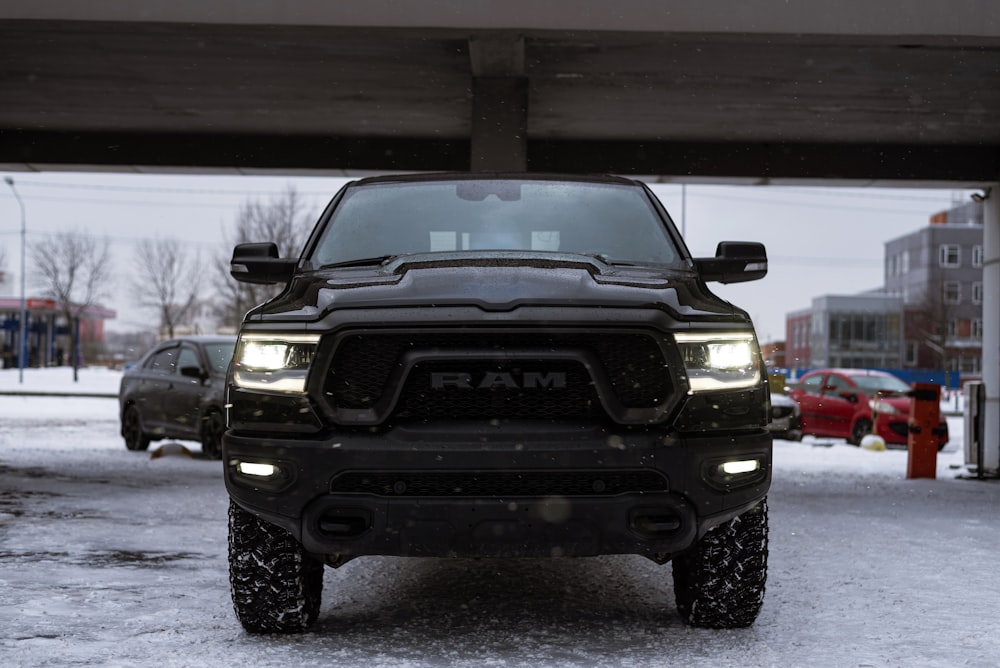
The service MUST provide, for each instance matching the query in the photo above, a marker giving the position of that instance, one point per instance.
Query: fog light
(727, 475)
(742, 466)
(257, 470)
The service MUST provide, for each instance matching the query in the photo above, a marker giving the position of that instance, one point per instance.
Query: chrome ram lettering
(499, 380)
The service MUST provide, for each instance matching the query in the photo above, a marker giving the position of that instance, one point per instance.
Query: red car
(841, 403)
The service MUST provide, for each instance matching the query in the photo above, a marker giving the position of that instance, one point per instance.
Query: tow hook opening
(654, 522)
(344, 523)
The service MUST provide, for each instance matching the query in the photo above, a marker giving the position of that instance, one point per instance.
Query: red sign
(41, 303)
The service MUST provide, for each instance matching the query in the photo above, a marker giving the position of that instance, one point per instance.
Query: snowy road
(109, 557)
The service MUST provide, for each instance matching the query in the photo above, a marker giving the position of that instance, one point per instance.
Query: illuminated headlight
(275, 362)
(719, 361)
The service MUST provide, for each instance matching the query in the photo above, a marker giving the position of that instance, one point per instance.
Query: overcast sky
(819, 240)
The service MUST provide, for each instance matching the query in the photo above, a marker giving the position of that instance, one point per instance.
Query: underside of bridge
(190, 91)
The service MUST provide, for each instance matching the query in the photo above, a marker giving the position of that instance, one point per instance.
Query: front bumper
(895, 430)
(497, 490)
(788, 427)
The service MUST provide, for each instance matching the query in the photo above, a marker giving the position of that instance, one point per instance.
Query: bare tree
(933, 315)
(73, 268)
(4, 275)
(284, 221)
(166, 280)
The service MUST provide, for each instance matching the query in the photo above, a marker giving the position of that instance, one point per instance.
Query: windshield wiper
(360, 262)
(607, 259)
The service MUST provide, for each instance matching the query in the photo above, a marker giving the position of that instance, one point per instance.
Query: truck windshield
(615, 222)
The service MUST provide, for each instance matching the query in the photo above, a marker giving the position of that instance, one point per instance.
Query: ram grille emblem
(499, 380)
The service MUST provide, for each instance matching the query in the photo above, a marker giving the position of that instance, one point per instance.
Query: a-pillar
(991, 328)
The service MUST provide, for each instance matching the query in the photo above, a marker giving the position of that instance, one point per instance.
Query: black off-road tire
(135, 438)
(276, 586)
(213, 426)
(719, 583)
(861, 429)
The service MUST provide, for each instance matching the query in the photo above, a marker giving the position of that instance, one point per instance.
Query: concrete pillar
(499, 120)
(991, 328)
(499, 124)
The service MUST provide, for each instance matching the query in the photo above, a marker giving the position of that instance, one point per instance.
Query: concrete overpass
(775, 91)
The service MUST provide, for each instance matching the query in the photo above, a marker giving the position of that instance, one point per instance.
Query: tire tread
(719, 583)
(276, 586)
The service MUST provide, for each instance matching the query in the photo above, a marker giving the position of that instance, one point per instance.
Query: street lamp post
(22, 339)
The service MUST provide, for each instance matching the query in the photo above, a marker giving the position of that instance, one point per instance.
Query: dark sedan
(177, 391)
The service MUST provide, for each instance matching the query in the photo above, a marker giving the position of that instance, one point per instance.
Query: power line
(123, 202)
(823, 207)
(173, 189)
(792, 190)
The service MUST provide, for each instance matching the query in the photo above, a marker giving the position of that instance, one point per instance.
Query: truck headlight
(275, 362)
(719, 360)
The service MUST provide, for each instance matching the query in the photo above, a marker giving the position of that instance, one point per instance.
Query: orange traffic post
(922, 439)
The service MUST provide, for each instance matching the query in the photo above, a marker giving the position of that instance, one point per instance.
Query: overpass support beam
(499, 122)
(991, 328)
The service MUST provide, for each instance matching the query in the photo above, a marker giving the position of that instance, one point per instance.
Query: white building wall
(991, 328)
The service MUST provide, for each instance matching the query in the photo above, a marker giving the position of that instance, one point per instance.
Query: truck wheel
(719, 583)
(276, 586)
(135, 439)
(212, 428)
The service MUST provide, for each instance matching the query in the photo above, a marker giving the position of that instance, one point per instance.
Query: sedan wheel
(861, 429)
(135, 439)
(212, 429)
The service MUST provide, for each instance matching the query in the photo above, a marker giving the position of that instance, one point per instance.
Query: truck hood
(496, 282)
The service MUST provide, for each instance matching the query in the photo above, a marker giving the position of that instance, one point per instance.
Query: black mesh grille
(363, 364)
(497, 484)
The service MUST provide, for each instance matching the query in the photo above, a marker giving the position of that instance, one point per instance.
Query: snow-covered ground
(111, 557)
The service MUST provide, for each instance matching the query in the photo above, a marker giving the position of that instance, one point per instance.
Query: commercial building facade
(49, 338)
(926, 317)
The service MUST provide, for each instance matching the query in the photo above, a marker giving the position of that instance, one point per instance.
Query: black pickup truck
(496, 365)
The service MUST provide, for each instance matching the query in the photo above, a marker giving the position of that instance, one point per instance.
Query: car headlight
(883, 407)
(275, 362)
(719, 360)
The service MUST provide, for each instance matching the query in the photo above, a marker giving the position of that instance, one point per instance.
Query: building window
(949, 255)
(904, 263)
(951, 292)
(965, 364)
(952, 328)
(977, 256)
(977, 328)
(911, 353)
(977, 292)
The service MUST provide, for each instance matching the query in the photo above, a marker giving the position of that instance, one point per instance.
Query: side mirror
(734, 262)
(193, 372)
(851, 397)
(259, 263)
